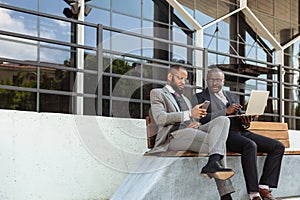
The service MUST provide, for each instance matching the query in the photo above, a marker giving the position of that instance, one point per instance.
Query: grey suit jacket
(166, 113)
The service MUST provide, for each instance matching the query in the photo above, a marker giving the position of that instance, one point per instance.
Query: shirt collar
(170, 89)
(220, 93)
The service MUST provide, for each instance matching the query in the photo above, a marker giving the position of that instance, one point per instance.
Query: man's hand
(194, 125)
(233, 108)
(197, 112)
(246, 119)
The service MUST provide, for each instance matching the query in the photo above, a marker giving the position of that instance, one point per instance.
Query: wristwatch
(245, 126)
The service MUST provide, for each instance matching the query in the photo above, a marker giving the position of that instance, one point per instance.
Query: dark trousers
(248, 144)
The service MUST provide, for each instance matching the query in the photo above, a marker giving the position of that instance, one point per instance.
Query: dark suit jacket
(217, 107)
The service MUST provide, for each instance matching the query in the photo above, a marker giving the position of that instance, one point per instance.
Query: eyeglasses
(214, 80)
(181, 78)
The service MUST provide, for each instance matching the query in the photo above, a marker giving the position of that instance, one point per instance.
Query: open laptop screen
(257, 102)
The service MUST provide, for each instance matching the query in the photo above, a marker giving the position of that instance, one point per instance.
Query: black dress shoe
(216, 170)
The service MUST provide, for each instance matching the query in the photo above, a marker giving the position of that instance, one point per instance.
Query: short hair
(175, 67)
(214, 68)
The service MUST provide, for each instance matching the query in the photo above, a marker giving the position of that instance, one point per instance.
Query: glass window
(17, 100)
(54, 7)
(90, 83)
(126, 44)
(20, 75)
(32, 5)
(126, 23)
(54, 53)
(90, 36)
(20, 49)
(55, 103)
(18, 22)
(133, 7)
(90, 106)
(148, 9)
(147, 48)
(55, 29)
(56, 79)
(99, 16)
(101, 4)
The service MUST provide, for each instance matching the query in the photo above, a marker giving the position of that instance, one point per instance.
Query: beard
(175, 87)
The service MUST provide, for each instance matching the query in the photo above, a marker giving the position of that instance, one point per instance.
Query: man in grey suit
(177, 129)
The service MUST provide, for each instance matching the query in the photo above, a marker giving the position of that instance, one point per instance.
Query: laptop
(257, 103)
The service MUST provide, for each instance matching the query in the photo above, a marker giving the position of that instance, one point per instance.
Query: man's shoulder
(229, 93)
(156, 90)
(203, 93)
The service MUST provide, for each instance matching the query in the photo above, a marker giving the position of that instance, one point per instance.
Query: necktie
(183, 107)
(180, 101)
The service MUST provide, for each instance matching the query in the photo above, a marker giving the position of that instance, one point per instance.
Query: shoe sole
(223, 175)
(266, 198)
(208, 176)
(218, 175)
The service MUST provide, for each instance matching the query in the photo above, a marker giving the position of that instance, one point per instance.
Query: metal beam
(221, 18)
(293, 41)
(257, 23)
(178, 7)
(79, 81)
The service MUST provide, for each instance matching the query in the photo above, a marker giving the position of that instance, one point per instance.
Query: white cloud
(63, 23)
(8, 23)
(10, 49)
(22, 49)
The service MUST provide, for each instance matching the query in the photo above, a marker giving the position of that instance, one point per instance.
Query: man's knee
(279, 147)
(222, 120)
(249, 147)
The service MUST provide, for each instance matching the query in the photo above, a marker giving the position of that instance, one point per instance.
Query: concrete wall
(64, 157)
(50, 156)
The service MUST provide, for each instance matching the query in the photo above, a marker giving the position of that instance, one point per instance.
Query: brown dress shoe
(266, 194)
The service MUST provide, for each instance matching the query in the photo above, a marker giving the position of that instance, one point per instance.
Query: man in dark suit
(241, 140)
(177, 129)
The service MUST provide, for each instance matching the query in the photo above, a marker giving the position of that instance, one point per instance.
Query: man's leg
(275, 151)
(192, 139)
(214, 143)
(187, 139)
(217, 130)
(248, 149)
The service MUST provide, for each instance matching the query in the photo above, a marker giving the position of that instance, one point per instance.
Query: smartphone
(205, 105)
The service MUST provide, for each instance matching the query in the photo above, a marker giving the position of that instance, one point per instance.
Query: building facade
(103, 57)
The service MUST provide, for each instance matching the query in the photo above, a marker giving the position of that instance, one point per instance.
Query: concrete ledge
(177, 178)
(66, 157)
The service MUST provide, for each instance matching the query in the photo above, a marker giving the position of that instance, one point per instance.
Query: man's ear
(170, 77)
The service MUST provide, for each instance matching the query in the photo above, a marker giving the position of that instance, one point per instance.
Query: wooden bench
(275, 130)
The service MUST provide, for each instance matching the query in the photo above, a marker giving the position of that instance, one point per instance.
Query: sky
(27, 24)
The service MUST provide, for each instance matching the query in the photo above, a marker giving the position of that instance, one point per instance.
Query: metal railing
(155, 63)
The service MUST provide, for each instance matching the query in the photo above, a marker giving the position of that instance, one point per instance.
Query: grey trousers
(211, 139)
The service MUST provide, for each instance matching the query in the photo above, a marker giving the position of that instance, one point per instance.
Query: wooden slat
(273, 134)
(194, 154)
(275, 130)
(268, 126)
(177, 154)
(292, 153)
(286, 143)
